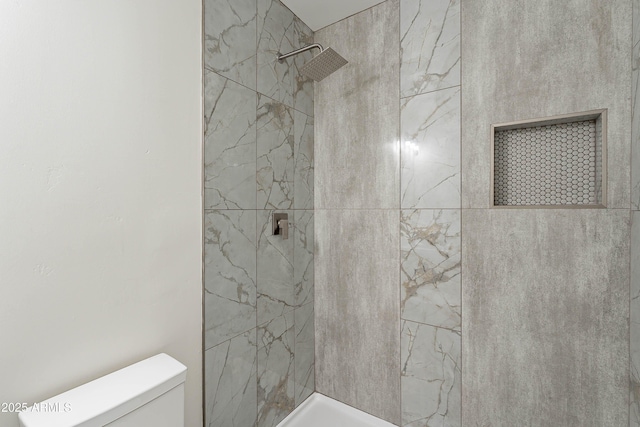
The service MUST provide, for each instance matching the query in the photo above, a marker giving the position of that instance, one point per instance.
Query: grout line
(457, 331)
(631, 242)
(203, 375)
(461, 294)
(399, 201)
(208, 70)
(431, 91)
(256, 204)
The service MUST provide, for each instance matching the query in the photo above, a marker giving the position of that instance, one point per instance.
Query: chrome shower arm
(297, 51)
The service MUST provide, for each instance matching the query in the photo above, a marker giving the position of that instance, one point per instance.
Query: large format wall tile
(431, 371)
(357, 310)
(516, 67)
(230, 382)
(230, 144)
(230, 39)
(303, 161)
(430, 267)
(275, 35)
(305, 352)
(430, 45)
(276, 290)
(546, 311)
(275, 161)
(303, 257)
(431, 150)
(634, 373)
(302, 85)
(229, 274)
(635, 109)
(258, 157)
(357, 165)
(280, 31)
(276, 370)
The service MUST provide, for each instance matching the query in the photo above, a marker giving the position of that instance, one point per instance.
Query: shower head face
(323, 64)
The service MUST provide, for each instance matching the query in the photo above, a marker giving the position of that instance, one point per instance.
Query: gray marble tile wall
(388, 200)
(357, 114)
(634, 368)
(509, 81)
(357, 171)
(635, 104)
(357, 311)
(431, 149)
(431, 317)
(545, 317)
(259, 288)
(397, 189)
(431, 361)
(634, 363)
(545, 292)
(430, 46)
(430, 223)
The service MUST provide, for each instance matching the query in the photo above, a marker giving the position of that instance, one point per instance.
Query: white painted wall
(100, 192)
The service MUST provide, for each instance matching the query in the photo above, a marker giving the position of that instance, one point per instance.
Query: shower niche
(553, 162)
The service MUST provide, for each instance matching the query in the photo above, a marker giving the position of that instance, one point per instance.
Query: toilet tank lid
(108, 398)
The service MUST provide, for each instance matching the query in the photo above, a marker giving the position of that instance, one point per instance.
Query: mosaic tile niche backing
(549, 163)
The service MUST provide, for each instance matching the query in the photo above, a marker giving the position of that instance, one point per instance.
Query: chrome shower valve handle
(281, 225)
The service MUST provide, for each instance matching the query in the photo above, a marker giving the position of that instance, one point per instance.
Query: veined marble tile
(430, 174)
(276, 370)
(302, 86)
(275, 163)
(230, 39)
(230, 144)
(430, 45)
(276, 295)
(635, 112)
(635, 321)
(430, 270)
(231, 382)
(303, 159)
(230, 274)
(304, 364)
(431, 376)
(303, 248)
(276, 34)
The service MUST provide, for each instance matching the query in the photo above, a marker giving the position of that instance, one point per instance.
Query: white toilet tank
(146, 394)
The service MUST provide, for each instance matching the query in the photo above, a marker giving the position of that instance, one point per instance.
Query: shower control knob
(281, 225)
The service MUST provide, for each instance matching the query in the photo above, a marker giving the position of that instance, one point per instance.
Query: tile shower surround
(430, 222)
(428, 350)
(431, 149)
(413, 188)
(634, 393)
(430, 46)
(634, 363)
(546, 309)
(259, 308)
(356, 212)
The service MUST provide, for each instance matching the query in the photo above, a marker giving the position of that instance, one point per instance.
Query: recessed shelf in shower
(551, 162)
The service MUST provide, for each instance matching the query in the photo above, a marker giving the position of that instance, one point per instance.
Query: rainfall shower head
(321, 65)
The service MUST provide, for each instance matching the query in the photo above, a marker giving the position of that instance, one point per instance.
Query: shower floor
(321, 411)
